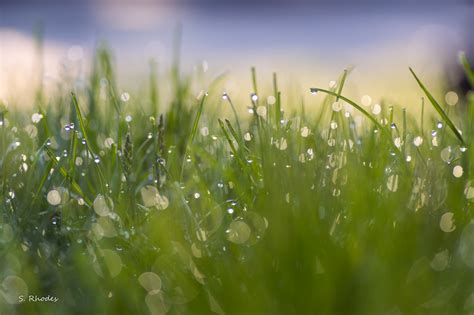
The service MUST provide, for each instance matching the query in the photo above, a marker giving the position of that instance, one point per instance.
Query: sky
(308, 43)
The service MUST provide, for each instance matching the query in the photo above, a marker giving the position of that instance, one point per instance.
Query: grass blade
(467, 68)
(197, 118)
(352, 103)
(438, 108)
(193, 133)
(341, 85)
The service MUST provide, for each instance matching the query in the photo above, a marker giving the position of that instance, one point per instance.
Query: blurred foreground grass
(124, 206)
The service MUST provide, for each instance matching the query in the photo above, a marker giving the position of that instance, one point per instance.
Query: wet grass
(123, 205)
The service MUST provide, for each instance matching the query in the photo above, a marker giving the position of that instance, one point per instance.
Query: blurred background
(306, 43)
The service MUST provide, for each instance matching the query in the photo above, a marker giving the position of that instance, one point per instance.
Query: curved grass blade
(341, 85)
(438, 108)
(352, 103)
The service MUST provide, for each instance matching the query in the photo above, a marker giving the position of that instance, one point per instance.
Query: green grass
(144, 207)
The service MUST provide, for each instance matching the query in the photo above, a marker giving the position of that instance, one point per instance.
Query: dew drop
(262, 111)
(125, 97)
(392, 183)
(446, 223)
(150, 281)
(458, 171)
(13, 287)
(152, 198)
(108, 142)
(377, 109)
(305, 132)
(36, 118)
(271, 100)
(418, 141)
(451, 98)
(336, 106)
(366, 100)
(238, 232)
(101, 205)
(204, 131)
(53, 197)
(440, 261)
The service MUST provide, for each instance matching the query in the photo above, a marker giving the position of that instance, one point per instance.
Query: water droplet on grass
(305, 132)
(392, 183)
(313, 91)
(152, 198)
(458, 171)
(108, 142)
(366, 100)
(36, 118)
(204, 131)
(377, 109)
(451, 98)
(447, 154)
(53, 197)
(101, 205)
(150, 281)
(13, 287)
(238, 232)
(254, 97)
(336, 106)
(418, 141)
(281, 144)
(446, 223)
(112, 261)
(398, 142)
(125, 97)
(440, 261)
(262, 111)
(247, 136)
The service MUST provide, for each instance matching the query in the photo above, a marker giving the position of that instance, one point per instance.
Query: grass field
(120, 205)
